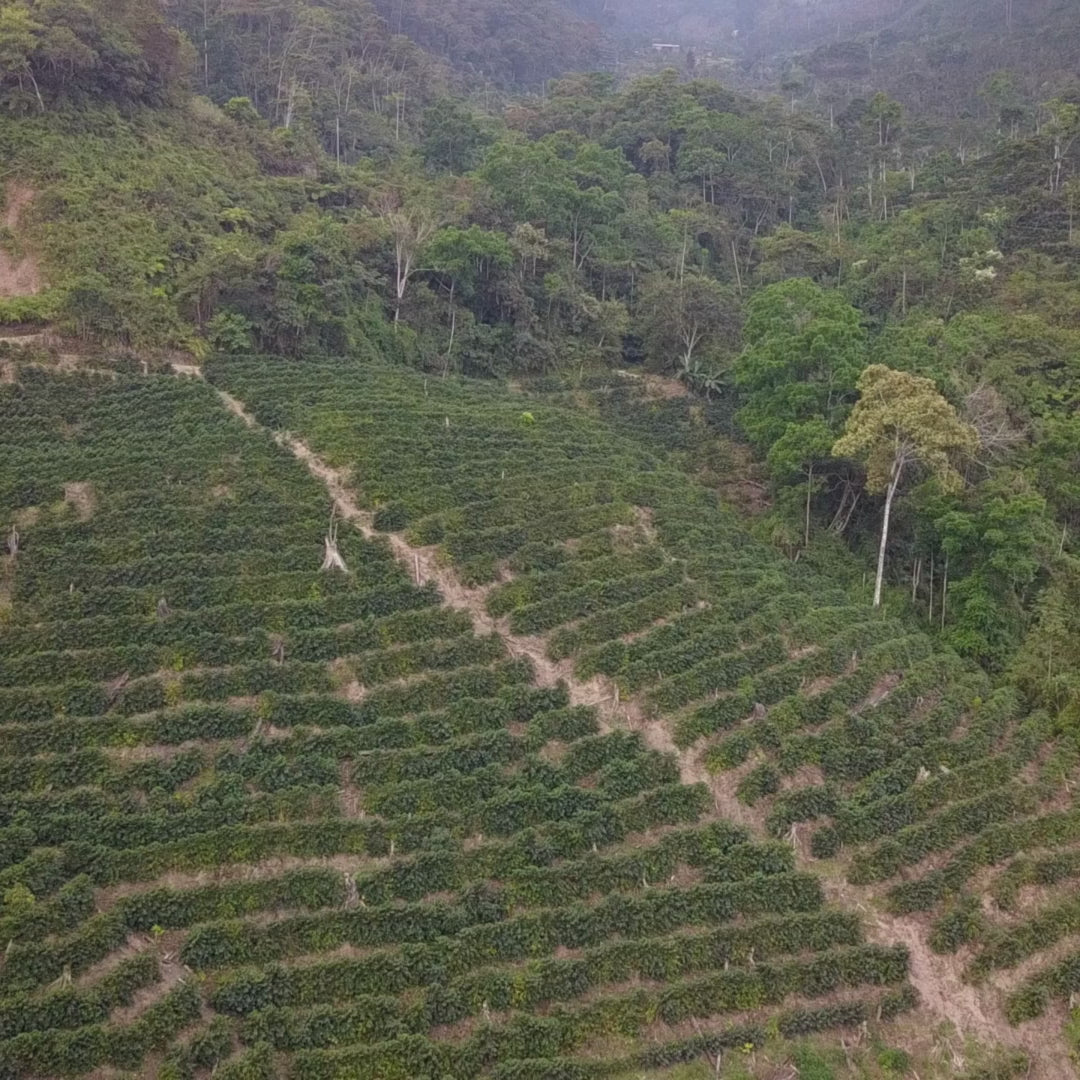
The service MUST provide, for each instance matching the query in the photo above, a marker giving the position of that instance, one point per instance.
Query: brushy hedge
(996, 844)
(73, 1008)
(81, 1050)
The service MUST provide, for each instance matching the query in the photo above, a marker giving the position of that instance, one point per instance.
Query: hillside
(956, 63)
(488, 780)
(516, 570)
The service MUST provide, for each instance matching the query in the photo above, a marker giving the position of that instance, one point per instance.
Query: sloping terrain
(19, 273)
(944, 59)
(314, 823)
(884, 761)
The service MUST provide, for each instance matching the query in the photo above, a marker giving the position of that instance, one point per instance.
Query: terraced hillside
(265, 819)
(887, 764)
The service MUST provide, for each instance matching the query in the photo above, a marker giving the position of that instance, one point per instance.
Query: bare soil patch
(80, 496)
(816, 687)
(658, 387)
(19, 273)
(881, 690)
(172, 973)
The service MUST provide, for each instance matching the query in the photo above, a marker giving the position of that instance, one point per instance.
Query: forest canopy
(318, 177)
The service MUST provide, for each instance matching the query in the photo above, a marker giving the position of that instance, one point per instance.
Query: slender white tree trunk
(890, 494)
(37, 89)
(404, 269)
(453, 331)
(735, 260)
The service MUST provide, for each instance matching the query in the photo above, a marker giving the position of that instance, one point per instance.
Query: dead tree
(116, 687)
(352, 893)
(277, 652)
(163, 609)
(12, 544)
(332, 559)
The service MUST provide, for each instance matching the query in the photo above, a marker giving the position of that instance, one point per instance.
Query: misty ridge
(932, 54)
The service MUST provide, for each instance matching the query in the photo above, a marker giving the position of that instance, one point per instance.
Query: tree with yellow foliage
(901, 422)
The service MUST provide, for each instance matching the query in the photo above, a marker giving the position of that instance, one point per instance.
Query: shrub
(392, 517)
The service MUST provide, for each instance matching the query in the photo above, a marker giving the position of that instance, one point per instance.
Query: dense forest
(845, 237)
(341, 193)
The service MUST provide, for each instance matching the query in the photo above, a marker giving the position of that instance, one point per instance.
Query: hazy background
(934, 55)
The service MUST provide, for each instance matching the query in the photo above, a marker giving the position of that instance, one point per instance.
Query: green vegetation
(306, 182)
(687, 454)
(485, 824)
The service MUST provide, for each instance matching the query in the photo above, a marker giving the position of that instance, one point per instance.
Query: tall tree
(465, 259)
(452, 137)
(901, 422)
(410, 224)
(84, 50)
(681, 319)
(800, 452)
(1047, 665)
(804, 349)
(19, 34)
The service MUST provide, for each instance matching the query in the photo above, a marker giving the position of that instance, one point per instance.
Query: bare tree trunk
(890, 495)
(206, 43)
(930, 613)
(944, 590)
(403, 272)
(844, 515)
(453, 330)
(809, 493)
(290, 105)
(37, 89)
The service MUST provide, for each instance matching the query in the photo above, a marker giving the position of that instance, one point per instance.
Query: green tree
(1064, 130)
(84, 50)
(803, 451)
(19, 33)
(901, 422)
(792, 252)
(568, 186)
(804, 347)
(451, 137)
(466, 258)
(1003, 94)
(803, 350)
(884, 116)
(684, 319)
(1047, 666)
(996, 541)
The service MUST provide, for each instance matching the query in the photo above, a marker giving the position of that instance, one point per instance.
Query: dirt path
(938, 979)
(426, 568)
(19, 274)
(974, 1012)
